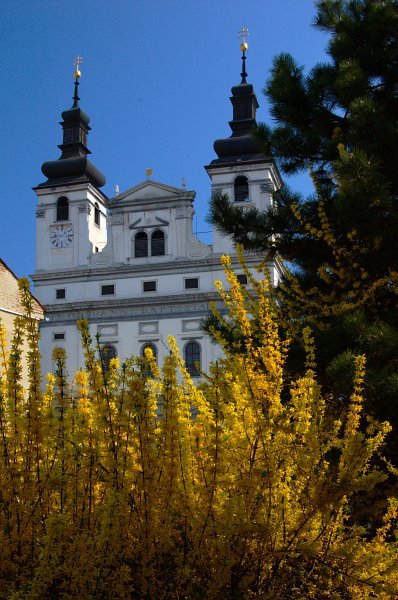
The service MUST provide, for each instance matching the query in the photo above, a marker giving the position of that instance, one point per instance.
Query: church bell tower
(71, 214)
(240, 170)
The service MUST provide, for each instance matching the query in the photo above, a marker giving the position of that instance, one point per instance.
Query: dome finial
(243, 34)
(77, 74)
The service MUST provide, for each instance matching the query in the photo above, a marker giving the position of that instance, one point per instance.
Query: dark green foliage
(340, 122)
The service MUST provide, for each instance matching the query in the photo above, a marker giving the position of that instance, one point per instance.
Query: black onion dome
(73, 165)
(242, 144)
(72, 169)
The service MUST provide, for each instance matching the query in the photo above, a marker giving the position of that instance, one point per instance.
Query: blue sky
(156, 79)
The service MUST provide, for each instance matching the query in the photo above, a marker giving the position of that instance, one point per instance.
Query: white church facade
(131, 264)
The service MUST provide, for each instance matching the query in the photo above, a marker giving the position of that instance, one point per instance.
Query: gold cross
(243, 34)
(77, 63)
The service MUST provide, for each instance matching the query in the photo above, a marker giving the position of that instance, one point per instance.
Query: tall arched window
(150, 346)
(241, 189)
(192, 358)
(107, 353)
(141, 244)
(62, 209)
(157, 243)
(97, 214)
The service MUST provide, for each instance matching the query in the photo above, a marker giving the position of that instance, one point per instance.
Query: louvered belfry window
(157, 243)
(97, 214)
(141, 245)
(241, 189)
(62, 209)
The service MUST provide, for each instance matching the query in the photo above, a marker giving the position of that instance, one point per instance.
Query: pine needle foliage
(128, 486)
(337, 122)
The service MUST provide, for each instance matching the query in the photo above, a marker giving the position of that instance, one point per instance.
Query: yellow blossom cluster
(134, 483)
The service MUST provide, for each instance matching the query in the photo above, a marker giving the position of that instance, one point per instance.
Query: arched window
(157, 243)
(62, 209)
(192, 358)
(241, 189)
(242, 278)
(151, 346)
(107, 353)
(97, 214)
(141, 244)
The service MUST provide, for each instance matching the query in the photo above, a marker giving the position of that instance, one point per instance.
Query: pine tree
(339, 122)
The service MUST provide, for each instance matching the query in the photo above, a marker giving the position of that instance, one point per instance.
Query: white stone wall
(87, 236)
(127, 285)
(128, 337)
(262, 180)
(130, 317)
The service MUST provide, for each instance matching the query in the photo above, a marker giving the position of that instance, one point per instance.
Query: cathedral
(131, 264)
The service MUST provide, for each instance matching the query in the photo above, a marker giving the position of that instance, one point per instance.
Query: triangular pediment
(150, 190)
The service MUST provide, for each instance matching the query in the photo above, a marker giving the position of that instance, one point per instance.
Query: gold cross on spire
(243, 34)
(77, 63)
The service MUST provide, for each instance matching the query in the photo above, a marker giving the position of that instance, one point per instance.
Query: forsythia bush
(125, 485)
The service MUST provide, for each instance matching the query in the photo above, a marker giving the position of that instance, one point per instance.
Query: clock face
(61, 236)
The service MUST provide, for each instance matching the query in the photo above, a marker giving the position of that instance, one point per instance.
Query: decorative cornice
(65, 188)
(249, 166)
(85, 209)
(138, 205)
(137, 301)
(146, 185)
(138, 270)
(267, 187)
(162, 307)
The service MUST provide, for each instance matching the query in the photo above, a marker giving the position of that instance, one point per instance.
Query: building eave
(136, 270)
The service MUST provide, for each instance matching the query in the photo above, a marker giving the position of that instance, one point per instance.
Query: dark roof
(73, 166)
(242, 145)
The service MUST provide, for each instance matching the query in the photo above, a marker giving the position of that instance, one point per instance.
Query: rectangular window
(149, 286)
(242, 279)
(191, 283)
(97, 214)
(58, 336)
(60, 294)
(107, 290)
